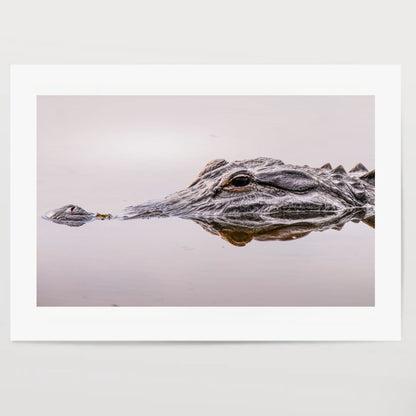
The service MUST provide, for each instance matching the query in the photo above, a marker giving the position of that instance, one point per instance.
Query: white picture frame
(32, 323)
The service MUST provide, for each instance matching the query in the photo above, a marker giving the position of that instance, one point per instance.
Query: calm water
(173, 262)
(105, 153)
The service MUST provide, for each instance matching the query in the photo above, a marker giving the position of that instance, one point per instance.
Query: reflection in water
(174, 262)
(239, 231)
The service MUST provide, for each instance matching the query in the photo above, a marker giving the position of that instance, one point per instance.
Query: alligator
(257, 198)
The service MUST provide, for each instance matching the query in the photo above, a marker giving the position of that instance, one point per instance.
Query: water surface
(173, 262)
(105, 153)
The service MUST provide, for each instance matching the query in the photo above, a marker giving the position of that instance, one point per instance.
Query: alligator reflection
(239, 231)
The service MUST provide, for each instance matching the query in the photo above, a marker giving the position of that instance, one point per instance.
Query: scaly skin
(254, 194)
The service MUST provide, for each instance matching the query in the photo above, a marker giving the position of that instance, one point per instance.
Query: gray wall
(222, 378)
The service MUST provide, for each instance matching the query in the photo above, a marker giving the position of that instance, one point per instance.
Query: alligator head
(265, 187)
(258, 192)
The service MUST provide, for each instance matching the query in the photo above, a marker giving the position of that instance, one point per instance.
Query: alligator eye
(240, 181)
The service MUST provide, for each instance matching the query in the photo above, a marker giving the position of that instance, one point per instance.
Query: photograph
(192, 224)
(205, 200)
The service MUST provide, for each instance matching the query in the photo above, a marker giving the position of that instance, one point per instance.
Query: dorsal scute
(327, 166)
(369, 177)
(339, 170)
(359, 167)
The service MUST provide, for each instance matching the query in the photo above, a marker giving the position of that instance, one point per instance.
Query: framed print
(217, 202)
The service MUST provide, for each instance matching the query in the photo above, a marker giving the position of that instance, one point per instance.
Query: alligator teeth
(359, 167)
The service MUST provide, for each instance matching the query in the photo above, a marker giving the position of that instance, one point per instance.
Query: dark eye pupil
(240, 181)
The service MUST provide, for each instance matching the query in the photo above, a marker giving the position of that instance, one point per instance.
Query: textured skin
(258, 197)
(273, 188)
